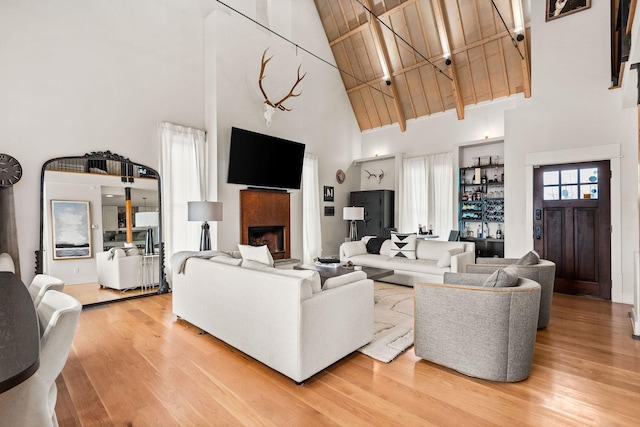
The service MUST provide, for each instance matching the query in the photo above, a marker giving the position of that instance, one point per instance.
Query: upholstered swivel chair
(544, 272)
(41, 284)
(6, 263)
(482, 332)
(32, 403)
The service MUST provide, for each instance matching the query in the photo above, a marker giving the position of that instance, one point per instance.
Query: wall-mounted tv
(264, 161)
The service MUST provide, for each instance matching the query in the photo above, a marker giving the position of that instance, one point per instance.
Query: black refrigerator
(378, 212)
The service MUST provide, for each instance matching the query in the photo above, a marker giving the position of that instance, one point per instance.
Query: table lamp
(353, 214)
(149, 220)
(205, 211)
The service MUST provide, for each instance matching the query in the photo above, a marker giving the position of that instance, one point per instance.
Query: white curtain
(426, 194)
(183, 174)
(311, 232)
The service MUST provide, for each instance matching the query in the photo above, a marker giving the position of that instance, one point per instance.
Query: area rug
(393, 320)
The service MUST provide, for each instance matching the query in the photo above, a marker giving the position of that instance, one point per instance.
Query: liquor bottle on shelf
(479, 234)
(499, 232)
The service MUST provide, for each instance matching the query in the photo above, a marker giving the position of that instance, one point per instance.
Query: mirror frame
(163, 286)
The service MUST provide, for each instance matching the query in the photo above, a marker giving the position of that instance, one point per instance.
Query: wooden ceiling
(484, 63)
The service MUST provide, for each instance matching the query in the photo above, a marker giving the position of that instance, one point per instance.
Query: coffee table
(372, 273)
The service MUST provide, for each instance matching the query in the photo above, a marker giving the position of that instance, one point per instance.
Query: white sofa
(433, 259)
(117, 270)
(274, 315)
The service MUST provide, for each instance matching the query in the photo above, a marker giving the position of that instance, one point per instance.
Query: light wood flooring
(93, 293)
(133, 364)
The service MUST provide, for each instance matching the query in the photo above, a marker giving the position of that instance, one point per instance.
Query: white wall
(321, 117)
(80, 76)
(571, 108)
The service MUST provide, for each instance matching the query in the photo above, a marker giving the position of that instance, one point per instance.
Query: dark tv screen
(264, 161)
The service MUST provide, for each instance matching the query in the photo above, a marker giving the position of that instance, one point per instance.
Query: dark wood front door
(572, 225)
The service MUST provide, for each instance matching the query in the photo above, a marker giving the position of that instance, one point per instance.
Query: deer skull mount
(269, 106)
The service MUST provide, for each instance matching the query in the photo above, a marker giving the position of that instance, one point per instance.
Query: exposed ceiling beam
(518, 18)
(383, 53)
(436, 5)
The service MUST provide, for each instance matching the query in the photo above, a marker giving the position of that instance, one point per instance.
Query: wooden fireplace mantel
(265, 208)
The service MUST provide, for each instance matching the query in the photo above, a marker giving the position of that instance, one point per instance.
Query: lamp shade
(353, 213)
(147, 219)
(205, 211)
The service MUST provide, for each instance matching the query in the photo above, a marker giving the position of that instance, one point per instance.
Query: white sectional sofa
(433, 259)
(282, 318)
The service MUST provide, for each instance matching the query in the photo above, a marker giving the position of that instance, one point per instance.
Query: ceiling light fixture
(517, 24)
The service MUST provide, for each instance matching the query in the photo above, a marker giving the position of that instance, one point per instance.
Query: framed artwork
(328, 194)
(71, 229)
(329, 211)
(559, 8)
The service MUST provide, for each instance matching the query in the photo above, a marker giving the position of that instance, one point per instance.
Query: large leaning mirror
(100, 227)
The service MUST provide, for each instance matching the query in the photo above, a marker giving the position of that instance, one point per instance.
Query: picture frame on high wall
(71, 229)
(560, 8)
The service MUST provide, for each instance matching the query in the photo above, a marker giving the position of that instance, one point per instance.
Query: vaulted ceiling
(404, 59)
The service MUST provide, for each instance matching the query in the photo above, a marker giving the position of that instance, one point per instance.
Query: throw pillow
(445, 258)
(312, 276)
(256, 253)
(119, 253)
(530, 258)
(354, 248)
(374, 244)
(403, 246)
(334, 282)
(501, 278)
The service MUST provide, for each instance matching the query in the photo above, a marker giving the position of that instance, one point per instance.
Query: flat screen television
(264, 161)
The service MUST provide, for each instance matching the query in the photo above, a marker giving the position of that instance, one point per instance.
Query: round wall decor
(10, 170)
(340, 176)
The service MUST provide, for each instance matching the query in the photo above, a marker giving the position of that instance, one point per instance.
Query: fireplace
(272, 236)
(264, 220)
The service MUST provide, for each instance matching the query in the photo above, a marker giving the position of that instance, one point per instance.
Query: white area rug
(393, 316)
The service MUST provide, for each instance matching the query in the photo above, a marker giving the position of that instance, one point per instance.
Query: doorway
(572, 225)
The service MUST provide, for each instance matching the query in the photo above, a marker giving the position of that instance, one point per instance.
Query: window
(570, 184)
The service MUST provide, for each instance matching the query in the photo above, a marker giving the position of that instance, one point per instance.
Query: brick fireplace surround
(266, 213)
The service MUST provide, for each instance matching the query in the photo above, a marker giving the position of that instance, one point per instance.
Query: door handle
(538, 232)
(538, 214)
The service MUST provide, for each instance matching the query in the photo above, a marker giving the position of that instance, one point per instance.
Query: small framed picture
(329, 211)
(328, 194)
(559, 8)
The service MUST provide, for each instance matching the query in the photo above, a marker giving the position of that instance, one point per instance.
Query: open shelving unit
(481, 207)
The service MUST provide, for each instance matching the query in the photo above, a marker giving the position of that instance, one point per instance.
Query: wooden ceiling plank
(344, 15)
(436, 5)
(503, 63)
(473, 84)
(384, 59)
(365, 25)
(424, 93)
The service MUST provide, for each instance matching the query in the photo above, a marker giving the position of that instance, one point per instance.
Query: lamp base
(353, 231)
(205, 239)
(148, 242)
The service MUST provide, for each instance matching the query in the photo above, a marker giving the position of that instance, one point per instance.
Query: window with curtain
(426, 193)
(311, 233)
(183, 174)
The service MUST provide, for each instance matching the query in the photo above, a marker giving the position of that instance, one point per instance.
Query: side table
(146, 270)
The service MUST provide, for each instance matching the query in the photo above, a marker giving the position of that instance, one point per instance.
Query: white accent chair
(116, 270)
(41, 284)
(32, 403)
(6, 263)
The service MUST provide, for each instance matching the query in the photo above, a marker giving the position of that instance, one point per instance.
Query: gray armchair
(482, 332)
(544, 273)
